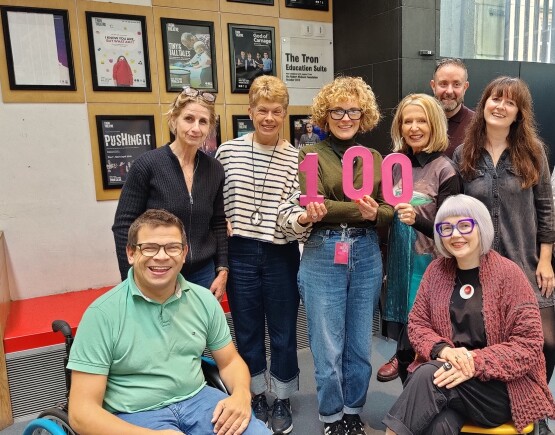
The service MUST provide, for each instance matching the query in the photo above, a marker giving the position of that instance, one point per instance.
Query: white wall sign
(307, 63)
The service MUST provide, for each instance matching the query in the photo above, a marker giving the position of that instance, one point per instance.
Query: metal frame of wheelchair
(55, 420)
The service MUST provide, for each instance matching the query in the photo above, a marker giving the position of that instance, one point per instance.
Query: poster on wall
(212, 142)
(316, 5)
(189, 55)
(38, 49)
(242, 125)
(304, 132)
(252, 53)
(118, 51)
(306, 63)
(121, 139)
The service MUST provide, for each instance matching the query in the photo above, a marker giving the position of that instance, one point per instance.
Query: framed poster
(257, 2)
(242, 125)
(38, 49)
(304, 132)
(252, 53)
(121, 139)
(315, 5)
(211, 143)
(189, 54)
(118, 51)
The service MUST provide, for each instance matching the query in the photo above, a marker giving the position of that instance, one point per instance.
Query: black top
(467, 321)
(466, 312)
(156, 180)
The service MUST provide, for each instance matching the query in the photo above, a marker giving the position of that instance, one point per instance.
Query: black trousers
(423, 408)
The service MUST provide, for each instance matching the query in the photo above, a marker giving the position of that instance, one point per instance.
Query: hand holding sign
(310, 167)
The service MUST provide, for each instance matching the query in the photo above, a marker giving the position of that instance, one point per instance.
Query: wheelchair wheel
(58, 416)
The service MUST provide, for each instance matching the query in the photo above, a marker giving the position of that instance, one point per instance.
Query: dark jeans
(262, 285)
(204, 276)
(423, 408)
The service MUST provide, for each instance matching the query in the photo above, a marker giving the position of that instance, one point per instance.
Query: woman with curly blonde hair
(341, 268)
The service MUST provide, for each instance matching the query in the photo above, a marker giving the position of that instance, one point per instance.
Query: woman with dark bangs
(503, 164)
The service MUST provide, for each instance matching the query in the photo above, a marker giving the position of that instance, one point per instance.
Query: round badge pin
(466, 291)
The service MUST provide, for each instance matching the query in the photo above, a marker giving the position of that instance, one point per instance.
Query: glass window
(518, 30)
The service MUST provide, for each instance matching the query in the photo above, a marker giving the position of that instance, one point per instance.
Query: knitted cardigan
(513, 331)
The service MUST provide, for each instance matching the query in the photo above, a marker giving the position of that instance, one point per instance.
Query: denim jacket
(522, 218)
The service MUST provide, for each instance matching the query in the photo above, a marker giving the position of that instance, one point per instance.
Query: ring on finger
(468, 355)
(457, 358)
(447, 366)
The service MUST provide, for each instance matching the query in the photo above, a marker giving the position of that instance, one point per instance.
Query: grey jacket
(522, 218)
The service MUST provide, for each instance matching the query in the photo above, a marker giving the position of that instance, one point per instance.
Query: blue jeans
(191, 416)
(340, 300)
(204, 276)
(262, 286)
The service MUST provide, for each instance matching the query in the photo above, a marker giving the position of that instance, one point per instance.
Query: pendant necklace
(256, 216)
(466, 291)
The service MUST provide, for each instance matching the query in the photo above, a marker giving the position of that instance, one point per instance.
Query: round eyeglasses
(152, 249)
(463, 226)
(338, 114)
(203, 95)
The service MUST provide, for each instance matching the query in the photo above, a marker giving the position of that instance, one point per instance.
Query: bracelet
(220, 268)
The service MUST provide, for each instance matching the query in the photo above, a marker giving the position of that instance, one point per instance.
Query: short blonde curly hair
(343, 89)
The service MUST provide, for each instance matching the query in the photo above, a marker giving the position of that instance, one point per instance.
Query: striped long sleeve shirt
(259, 179)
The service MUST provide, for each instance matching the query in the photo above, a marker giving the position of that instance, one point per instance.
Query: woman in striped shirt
(261, 173)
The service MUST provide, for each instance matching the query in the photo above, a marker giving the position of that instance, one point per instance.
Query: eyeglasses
(338, 114)
(463, 226)
(192, 92)
(152, 249)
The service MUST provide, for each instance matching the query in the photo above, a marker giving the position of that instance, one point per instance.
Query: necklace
(189, 178)
(257, 216)
(466, 291)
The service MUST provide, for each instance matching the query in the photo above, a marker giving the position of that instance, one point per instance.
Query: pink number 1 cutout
(310, 167)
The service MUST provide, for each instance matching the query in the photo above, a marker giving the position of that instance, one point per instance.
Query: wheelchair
(55, 420)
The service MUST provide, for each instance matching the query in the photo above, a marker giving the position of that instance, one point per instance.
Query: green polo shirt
(149, 351)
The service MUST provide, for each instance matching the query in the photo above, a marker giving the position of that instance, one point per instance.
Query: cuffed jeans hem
(284, 390)
(395, 425)
(331, 418)
(351, 411)
(258, 383)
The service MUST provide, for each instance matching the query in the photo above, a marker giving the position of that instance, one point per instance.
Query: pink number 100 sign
(310, 167)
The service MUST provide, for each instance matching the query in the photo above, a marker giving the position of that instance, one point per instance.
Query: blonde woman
(418, 130)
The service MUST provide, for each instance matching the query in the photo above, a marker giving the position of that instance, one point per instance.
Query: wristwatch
(220, 268)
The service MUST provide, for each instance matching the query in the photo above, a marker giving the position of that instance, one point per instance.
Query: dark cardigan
(156, 180)
(513, 331)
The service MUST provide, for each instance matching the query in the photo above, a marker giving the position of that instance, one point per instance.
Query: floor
(380, 396)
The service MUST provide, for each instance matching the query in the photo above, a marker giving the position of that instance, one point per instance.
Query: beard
(450, 105)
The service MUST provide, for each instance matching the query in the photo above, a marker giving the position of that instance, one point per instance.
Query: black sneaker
(335, 428)
(353, 425)
(260, 408)
(282, 420)
(543, 428)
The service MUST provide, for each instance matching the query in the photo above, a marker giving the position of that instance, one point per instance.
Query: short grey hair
(467, 206)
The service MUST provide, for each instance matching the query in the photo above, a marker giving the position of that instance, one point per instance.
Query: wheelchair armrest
(212, 374)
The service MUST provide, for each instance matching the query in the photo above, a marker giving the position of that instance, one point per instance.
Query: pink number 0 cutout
(387, 178)
(310, 167)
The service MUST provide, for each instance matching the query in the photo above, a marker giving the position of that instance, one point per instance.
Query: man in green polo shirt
(136, 356)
